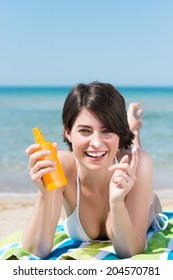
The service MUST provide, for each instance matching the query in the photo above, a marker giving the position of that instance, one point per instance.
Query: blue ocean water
(22, 108)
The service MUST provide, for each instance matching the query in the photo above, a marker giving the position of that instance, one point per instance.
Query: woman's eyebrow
(88, 126)
(83, 125)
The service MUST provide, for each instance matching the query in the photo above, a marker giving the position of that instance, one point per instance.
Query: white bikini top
(72, 225)
(74, 229)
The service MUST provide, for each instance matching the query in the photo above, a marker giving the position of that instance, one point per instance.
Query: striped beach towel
(159, 246)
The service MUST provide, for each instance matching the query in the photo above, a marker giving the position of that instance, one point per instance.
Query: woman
(109, 189)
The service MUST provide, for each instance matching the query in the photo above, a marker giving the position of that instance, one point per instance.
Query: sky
(64, 42)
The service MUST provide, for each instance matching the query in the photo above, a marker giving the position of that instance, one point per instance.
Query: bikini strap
(78, 188)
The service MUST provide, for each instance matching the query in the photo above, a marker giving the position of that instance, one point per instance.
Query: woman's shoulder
(68, 164)
(145, 164)
(65, 154)
(144, 158)
(67, 161)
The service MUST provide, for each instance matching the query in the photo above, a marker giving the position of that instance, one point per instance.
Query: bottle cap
(38, 137)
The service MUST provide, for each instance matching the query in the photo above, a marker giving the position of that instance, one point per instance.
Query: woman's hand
(39, 166)
(123, 178)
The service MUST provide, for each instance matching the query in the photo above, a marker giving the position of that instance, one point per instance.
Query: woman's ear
(67, 134)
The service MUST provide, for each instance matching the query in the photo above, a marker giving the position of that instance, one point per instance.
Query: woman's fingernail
(134, 149)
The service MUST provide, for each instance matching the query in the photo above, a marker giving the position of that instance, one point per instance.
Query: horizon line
(71, 86)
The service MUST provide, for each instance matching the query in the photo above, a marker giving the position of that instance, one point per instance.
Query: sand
(15, 211)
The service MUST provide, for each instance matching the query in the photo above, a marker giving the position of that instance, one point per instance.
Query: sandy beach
(15, 211)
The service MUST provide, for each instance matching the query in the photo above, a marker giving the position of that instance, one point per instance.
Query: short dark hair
(106, 102)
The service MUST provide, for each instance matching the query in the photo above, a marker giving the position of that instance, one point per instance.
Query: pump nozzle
(38, 137)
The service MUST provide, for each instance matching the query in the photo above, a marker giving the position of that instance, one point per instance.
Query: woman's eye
(106, 131)
(84, 131)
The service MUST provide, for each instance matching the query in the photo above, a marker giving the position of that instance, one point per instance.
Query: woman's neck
(95, 180)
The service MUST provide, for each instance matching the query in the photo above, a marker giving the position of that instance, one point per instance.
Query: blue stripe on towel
(59, 228)
(110, 256)
(15, 245)
(63, 248)
(170, 255)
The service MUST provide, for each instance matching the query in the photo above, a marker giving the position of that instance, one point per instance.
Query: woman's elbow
(130, 252)
(38, 251)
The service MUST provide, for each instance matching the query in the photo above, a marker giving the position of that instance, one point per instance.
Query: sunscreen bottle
(56, 178)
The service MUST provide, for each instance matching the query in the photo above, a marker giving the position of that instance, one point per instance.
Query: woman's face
(93, 145)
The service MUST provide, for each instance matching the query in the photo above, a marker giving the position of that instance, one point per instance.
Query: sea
(22, 108)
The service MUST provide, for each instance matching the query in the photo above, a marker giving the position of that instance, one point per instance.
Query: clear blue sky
(63, 42)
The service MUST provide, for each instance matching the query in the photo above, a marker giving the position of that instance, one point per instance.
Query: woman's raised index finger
(134, 161)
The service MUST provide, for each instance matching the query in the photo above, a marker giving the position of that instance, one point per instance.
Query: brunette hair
(106, 102)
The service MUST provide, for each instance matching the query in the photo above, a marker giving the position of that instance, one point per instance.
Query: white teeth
(95, 154)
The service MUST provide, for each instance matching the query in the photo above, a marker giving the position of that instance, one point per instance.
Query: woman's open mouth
(95, 155)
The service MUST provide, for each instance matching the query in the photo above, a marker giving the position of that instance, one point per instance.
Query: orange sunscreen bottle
(56, 178)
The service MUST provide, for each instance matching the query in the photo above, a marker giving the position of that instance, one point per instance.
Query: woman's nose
(95, 142)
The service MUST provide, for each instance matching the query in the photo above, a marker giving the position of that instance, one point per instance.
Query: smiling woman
(90, 141)
(109, 182)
